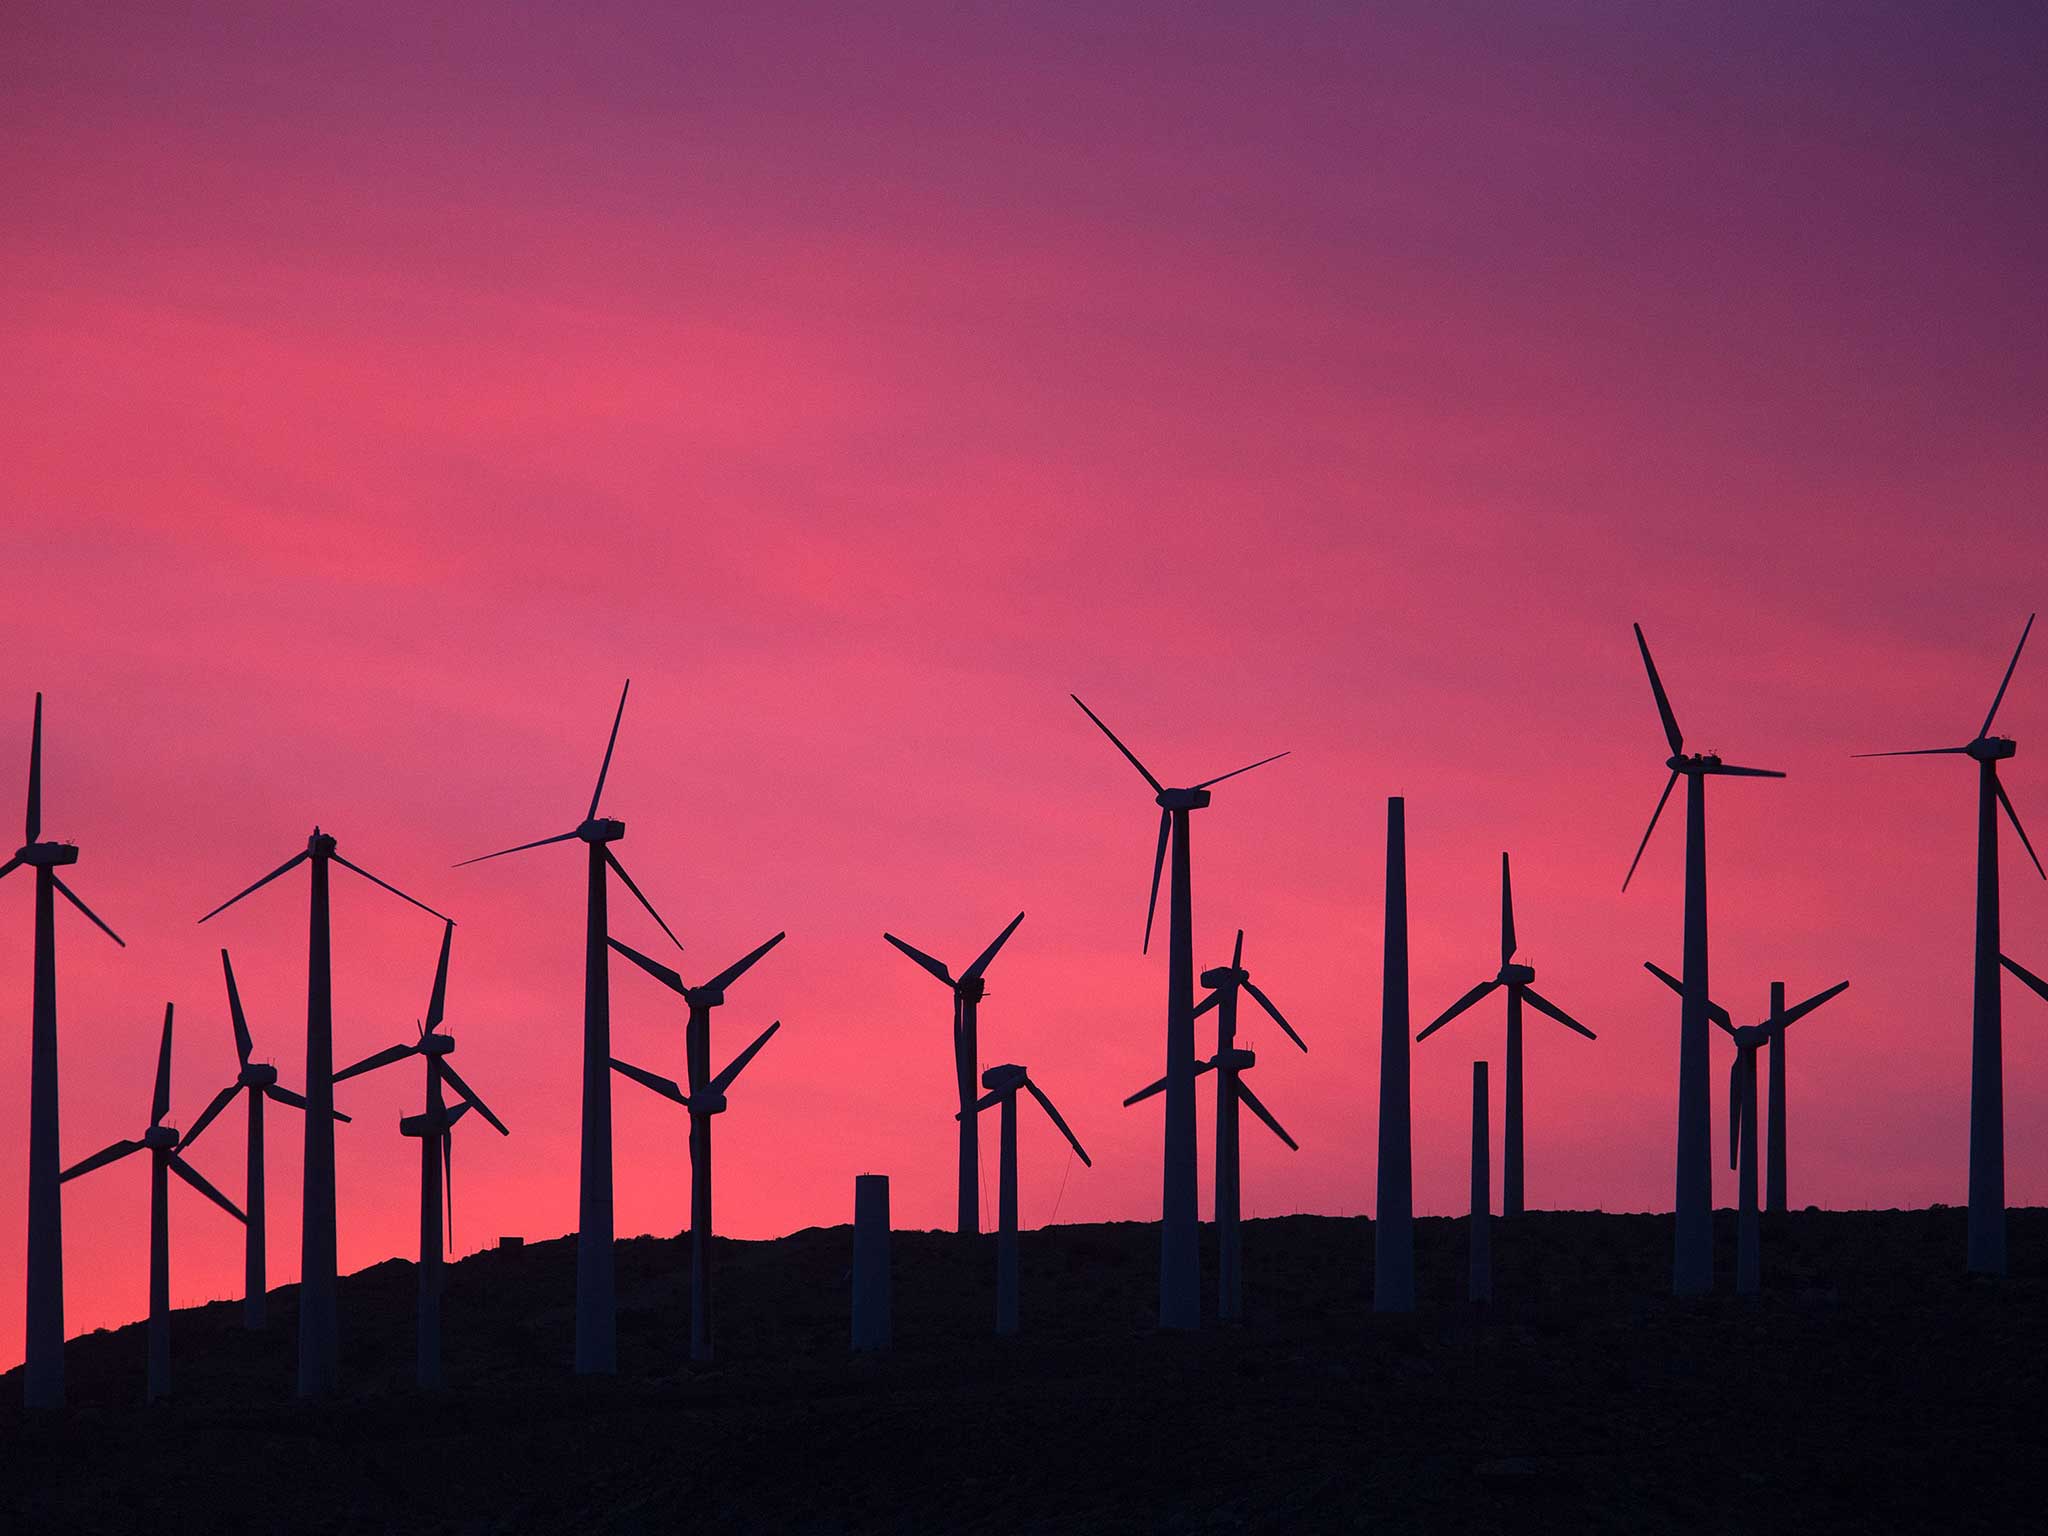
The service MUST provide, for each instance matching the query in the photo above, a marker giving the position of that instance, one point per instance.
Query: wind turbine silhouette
(259, 1079)
(597, 1338)
(319, 1327)
(705, 1099)
(1002, 1084)
(161, 1141)
(1692, 1258)
(43, 1372)
(1519, 980)
(967, 995)
(1180, 1271)
(1987, 1072)
(1749, 1039)
(434, 1126)
(1230, 1063)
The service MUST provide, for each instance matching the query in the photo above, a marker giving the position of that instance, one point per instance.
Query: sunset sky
(389, 382)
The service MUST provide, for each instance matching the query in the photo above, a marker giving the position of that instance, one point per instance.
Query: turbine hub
(1992, 749)
(257, 1075)
(1183, 799)
(1512, 975)
(602, 829)
(47, 855)
(160, 1138)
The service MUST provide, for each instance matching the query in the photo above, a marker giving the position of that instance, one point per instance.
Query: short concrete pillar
(1480, 1236)
(871, 1313)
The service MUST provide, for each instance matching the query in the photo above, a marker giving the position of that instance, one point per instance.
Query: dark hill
(1873, 1387)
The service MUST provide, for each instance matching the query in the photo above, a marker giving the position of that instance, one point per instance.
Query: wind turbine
(1230, 1064)
(1692, 1258)
(1002, 1084)
(1180, 1264)
(43, 1375)
(259, 1080)
(434, 1127)
(1749, 1039)
(1987, 1072)
(1519, 980)
(161, 1141)
(705, 1099)
(597, 1338)
(319, 1326)
(967, 995)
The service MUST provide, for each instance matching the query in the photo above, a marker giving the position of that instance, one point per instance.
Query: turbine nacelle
(1238, 1058)
(970, 989)
(256, 1075)
(602, 829)
(1992, 749)
(707, 1101)
(1693, 762)
(436, 1044)
(431, 1123)
(321, 844)
(1182, 799)
(1220, 976)
(160, 1138)
(1514, 975)
(1003, 1079)
(705, 997)
(47, 855)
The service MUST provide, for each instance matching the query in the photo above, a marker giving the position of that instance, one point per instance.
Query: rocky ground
(1873, 1387)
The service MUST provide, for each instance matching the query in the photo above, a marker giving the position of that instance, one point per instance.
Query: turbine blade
(1507, 914)
(2025, 975)
(160, 1101)
(243, 1044)
(468, 1093)
(2003, 683)
(1714, 1010)
(1632, 863)
(1813, 1002)
(2013, 816)
(394, 890)
(1915, 752)
(620, 870)
(1251, 1102)
(1237, 952)
(1735, 1104)
(1046, 1104)
(1730, 770)
(1160, 1087)
(220, 1102)
(1157, 787)
(192, 1176)
(724, 1080)
(100, 1159)
(437, 1003)
(383, 1058)
(35, 775)
(739, 968)
(667, 1087)
(654, 968)
(994, 1095)
(606, 767)
(1543, 1004)
(973, 972)
(285, 868)
(1266, 1003)
(922, 959)
(539, 842)
(286, 1096)
(1209, 1000)
(10, 866)
(1457, 1008)
(72, 896)
(1672, 733)
(1158, 863)
(448, 1182)
(1247, 768)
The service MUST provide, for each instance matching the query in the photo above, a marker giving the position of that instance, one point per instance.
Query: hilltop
(1874, 1385)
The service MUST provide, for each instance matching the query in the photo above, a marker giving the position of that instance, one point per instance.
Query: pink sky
(387, 386)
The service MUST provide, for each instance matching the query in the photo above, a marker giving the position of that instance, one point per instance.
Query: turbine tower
(1692, 1257)
(1230, 1063)
(1987, 1071)
(319, 1327)
(967, 994)
(259, 1080)
(1180, 1264)
(1520, 982)
(705, 1099)
(161, 1141)
(1393, 1217)
(1749, 1039)
(597, 1337)
(43, 1373)
(1002, 1084)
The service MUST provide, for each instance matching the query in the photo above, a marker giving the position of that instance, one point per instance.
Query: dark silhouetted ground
(1873, 1388)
